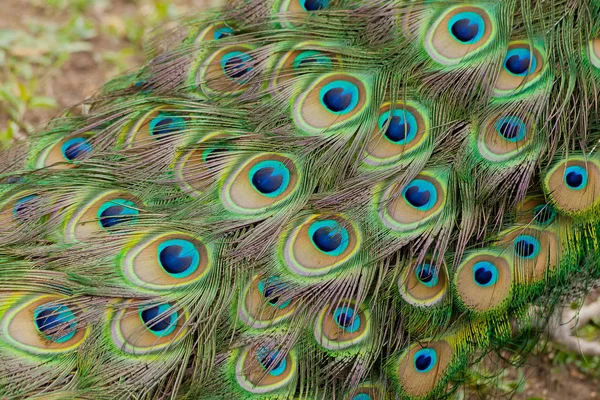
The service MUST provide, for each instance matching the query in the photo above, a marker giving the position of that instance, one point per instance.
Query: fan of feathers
(307, 199)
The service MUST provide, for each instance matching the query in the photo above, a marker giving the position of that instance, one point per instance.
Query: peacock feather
(307, 199)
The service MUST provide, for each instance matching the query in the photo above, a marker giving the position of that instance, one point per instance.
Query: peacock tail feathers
(307, 199)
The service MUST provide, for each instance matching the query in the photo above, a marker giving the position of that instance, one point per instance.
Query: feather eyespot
(424, 284)
(520, 61)
(420, 194)
(422, 368)
(311, 58)
(535, 209)
(55, 322)
(270, 177)
(427, 274)
(260, 183)
(347, 319)
(227, 71)
(271, 361)
(402, 128)
(407, 209)
(367, 391)
(214, 31)
(485, 273)
(211, 156)
(43, 325)
(526, 246)
(522, 67)
(576, 177)
(294, 12)
(271, 288)
(168, 261)
(24, 208)
(66, 153)
(502, 137)
(158, 124)
(148, 328)
(197, 170)
(534, 252)
(223, 32)
(573, 185)
(329, 237)
(160, 320)
(314, 5)
(544, 214)
(165, 125)
(107, 212)
(178, 257)
(320, 244)
(265, 302)
(460, 33)
(339, 97)
(264, 369)
(331, 102)
(75, 149)
(511, 128)
(117, 211)
(342, 325)
(425, 360)
(237, 65)
(302, 59)
(484, 281)
(467, 27)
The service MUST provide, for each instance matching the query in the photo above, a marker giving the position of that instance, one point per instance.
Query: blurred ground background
(56, 53)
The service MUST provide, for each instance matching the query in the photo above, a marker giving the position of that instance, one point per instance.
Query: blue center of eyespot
(576, 177)
(466, 27)
(311, 57)
(519, 61)
(223, 32)
(420, 194)
(485, 273)
(544, 214)
(526, 246)
(270, 289)
(362, 396)
(268, 359)
(116, 212)
(161, 319)
(178, 257)
(427, 274)
(270, 178)
(347, 318)
(24, 208)
(314, 5)
(511, 128)
(237, 65)
(424, 360)
(75, 148)
(401, 128)
(55, 322)
(329, 237)
(163, 125)
(340, 97)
